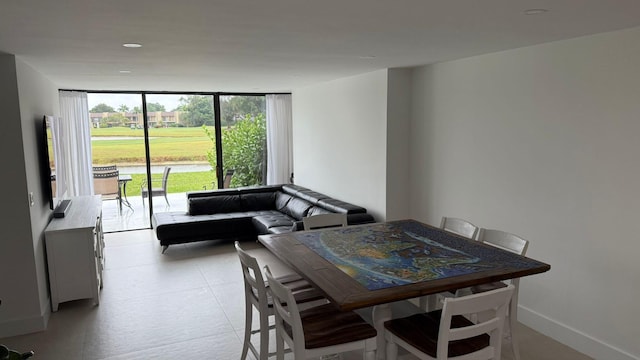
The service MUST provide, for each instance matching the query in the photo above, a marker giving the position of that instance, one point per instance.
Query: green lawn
(177, 183)
(165, 145)
(153, 132)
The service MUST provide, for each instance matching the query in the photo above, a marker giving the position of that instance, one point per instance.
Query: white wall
(339, 139)
(398, 122)
(543, 142)
(25, 96)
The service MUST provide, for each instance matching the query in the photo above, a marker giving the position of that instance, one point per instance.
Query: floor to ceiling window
(243, 138)
(119, 160)
(186, 142)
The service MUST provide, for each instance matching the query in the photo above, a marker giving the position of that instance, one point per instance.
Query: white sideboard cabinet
(75, 252)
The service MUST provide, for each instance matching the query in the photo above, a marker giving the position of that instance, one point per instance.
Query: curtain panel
(279, 139)
(74, 139)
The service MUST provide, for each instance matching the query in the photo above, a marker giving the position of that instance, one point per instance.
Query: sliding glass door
(150, 149)
(180, 148)
(119, 159)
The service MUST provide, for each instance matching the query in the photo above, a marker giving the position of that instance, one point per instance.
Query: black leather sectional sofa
(245, 213)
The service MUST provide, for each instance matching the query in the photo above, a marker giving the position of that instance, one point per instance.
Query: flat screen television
(47, 168)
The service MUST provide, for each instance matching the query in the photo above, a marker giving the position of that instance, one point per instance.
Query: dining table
(373, 265)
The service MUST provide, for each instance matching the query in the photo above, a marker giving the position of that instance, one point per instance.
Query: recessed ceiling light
(535, 11)
(125, 71)
(132, 45)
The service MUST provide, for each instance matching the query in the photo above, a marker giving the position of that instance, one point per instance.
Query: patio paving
(137, 217)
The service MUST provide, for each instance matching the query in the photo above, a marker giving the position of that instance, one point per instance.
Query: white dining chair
(515, 244)
(318, 331)
(323, 221)
(258, 298)
(459, 226)
(448, 334)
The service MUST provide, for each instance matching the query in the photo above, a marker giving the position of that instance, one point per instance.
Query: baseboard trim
(25, 326)
(571, 337)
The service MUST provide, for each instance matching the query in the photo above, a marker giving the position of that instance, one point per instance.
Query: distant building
(134, 120)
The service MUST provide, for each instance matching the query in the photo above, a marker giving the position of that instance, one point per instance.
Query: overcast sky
(170, 102)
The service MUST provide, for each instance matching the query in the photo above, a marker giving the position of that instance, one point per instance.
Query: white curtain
(73, 138)
(279, 139)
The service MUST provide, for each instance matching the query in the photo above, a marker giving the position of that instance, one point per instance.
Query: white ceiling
(276, 45)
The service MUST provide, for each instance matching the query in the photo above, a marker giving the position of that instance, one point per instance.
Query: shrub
(243, 149)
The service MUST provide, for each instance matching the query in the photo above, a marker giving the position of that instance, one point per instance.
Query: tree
(153, 107)
(123, 108)
(102, 108)
(197, 110)
(234, 108)
(244, 150)
(136, 110)
(115, 119)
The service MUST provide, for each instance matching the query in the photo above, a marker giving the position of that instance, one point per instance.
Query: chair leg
(264, 334)
(279, 345)
(164, 248)
(392, 350)
(513, 321)
(248, 319)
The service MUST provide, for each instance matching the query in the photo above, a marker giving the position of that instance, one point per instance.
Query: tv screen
(48, 168)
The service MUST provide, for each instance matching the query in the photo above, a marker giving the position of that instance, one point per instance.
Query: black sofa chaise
(245, 213)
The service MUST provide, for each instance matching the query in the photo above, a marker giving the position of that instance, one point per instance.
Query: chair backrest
(287, 313)
(504, 240)
(322, 221)
(253, 281)
(227, 179)
(459, 226)
(165, 177)
(106, 183)
(493, 304)
(106, 168)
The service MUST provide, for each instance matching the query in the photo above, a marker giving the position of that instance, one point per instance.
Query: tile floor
(185, 304)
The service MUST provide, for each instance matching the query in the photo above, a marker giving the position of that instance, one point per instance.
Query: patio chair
(227, 179)
(156, 191)
(106, 184)
(104, 168)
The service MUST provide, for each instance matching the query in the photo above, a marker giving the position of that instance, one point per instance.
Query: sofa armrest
(360, 218)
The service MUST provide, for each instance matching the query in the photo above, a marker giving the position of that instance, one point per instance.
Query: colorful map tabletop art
(404, 252)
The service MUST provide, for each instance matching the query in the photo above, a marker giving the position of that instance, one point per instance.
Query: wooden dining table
(377, 264)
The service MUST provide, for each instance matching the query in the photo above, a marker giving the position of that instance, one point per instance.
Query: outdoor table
(122, 191)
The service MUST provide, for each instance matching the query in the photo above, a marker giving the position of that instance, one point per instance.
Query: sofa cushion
(259, 201)
(297, 208)
(209, 193)
(281, 200)
(263, 223)
(316, 210)
(339, 206)
(303, 193)
(219, 204)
